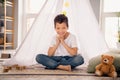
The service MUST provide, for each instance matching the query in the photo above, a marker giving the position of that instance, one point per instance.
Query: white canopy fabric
(82, 23)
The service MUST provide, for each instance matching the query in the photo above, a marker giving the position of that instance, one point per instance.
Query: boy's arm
(72, 51)
(52, 50)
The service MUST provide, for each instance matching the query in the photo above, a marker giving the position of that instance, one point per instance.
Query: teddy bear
(106, 66)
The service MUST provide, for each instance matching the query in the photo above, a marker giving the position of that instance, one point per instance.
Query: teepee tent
(82, 23)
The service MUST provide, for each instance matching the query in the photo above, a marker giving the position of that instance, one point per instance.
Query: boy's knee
(52, 65)
(39, 57)
(79, 59)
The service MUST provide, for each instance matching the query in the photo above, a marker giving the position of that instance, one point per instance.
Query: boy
(62, 53)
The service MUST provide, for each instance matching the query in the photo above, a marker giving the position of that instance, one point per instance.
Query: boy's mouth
(61, 34)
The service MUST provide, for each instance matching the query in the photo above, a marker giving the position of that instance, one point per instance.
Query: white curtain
(39, 36)
(82, 23)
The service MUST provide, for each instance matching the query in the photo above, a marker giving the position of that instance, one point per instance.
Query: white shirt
(61, 51)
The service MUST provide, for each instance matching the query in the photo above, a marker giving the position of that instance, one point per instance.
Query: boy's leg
(64, 67)
(73, 61)
(49, 62)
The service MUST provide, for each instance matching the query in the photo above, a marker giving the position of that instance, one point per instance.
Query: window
(110, 21)
(33, 8)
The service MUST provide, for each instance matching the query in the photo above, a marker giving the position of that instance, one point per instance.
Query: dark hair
(60, 19)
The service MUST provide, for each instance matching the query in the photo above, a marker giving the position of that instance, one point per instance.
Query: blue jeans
(54, 61)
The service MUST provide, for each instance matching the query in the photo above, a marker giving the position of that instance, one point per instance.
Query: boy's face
(61, 29)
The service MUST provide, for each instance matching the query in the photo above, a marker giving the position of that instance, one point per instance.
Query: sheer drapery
(39, 36)
(82, 23)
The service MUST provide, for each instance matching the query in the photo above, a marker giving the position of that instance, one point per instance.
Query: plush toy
(106, 66)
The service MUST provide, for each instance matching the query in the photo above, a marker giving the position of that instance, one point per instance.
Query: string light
(64, 12)
(66, 5)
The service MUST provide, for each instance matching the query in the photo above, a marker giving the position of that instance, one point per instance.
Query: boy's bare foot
(68, 68)
(64, 67)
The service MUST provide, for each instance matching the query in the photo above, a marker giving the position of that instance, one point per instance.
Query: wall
(16, 24)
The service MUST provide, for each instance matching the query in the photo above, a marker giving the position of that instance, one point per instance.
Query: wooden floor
(53, 77)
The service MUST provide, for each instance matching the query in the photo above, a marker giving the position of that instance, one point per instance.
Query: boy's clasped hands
(60, 39)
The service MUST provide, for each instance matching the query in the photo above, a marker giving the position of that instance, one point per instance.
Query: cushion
(96, 60)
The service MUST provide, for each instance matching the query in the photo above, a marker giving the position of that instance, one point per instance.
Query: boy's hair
(60, 19)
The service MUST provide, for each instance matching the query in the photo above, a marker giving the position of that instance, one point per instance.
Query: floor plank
(53, 77)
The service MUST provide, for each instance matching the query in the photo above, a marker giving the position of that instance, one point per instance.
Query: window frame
(104, 15)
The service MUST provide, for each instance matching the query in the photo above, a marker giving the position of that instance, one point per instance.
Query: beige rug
(45, 74)
(42, 71)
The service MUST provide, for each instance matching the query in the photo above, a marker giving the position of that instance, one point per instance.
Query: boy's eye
(63, 28)
(58, 28)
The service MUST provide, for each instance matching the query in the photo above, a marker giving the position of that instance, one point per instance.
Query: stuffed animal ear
(102, 55)
(112, 57)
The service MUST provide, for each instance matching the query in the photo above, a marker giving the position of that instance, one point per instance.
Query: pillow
(97, 60)
(115, 51)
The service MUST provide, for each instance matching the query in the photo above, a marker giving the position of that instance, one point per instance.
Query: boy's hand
(61, 39)
(57, 40)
